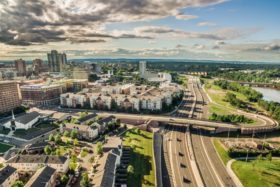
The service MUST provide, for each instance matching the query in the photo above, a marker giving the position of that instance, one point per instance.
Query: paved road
(175, 142)
(211, 167)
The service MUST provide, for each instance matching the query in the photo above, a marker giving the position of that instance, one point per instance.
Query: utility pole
(247, 155)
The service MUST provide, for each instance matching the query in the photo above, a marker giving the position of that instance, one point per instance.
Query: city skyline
(204, 29)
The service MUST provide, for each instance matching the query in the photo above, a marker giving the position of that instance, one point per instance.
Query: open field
(222, 107)
(141, 158)
(221, 150)
(256, 173)
(4, 147)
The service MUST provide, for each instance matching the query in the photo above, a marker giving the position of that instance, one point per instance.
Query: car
(183, 165)
(185, 180)
(181, 154)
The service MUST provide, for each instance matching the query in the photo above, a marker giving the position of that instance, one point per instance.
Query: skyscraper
(142, 68)
(20, 67)
(56, 61)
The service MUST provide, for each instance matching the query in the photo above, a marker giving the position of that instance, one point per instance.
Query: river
(269, 94)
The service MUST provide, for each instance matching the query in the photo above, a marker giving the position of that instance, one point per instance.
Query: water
(269, 94)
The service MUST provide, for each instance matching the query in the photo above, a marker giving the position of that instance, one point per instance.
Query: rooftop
(87, 117)
(41, 177)
(5, 173)
(109, 171)
(38, 159)
(26, 118)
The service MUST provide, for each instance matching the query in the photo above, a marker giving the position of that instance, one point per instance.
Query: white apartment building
(151, 103)
(100, 101)
(73, 100)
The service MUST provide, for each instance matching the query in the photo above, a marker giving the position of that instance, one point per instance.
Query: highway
(212, 170)
(175, 142)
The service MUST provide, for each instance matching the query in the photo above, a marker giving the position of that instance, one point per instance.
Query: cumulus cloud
(25, 22)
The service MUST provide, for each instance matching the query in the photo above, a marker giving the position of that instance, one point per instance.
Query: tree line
(232, 118)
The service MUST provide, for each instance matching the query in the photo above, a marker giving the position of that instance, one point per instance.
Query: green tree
(75, 142)
(91, 159)
(74, 133)
(99, 148)
(66, 133)
(57, 138)
(51, 137)
(64, 179)
(47, 150)
(85, 180)
(18, 183)
(138, 131)
(130, 170)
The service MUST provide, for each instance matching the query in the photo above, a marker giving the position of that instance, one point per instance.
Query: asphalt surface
(212, 170)
(175, 142)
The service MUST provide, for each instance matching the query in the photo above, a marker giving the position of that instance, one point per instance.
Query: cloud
(272, 47)
(199, 46)
(202, 24)
(28, 22)
(181, 16)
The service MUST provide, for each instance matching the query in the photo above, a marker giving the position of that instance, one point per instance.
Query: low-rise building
(41, 94)
(8, 175)
(31, 163)
(86, 119)
(102, 123)
(44, 177)
(99, 101)
(25, 121)
(83, 131)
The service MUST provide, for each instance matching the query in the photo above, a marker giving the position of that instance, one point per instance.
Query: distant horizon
(155, 59)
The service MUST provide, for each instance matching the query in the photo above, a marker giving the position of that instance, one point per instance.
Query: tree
(138, 131)
(51, 137)
(74, 133)
(99, 148)
(85, 180)
(91, 159)
(58, 152)
(269, 156)
(130, 170)
(66, 133)
(18, 183)
(75, 142)
(47, 150)
(57, 138)
(64, 179)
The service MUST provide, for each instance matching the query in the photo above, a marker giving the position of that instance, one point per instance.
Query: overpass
(268, 126)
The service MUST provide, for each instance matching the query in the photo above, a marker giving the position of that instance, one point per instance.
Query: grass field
(4, 147)
(258, 173)
(222, 107)
(221, 150)
(141, 158)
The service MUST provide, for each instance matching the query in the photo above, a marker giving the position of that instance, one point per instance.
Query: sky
(237, 30)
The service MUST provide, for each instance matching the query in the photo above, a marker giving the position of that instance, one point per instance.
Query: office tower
(9, 96)
(20, 67)
(80, 73)
(56, 61)
(142, 68)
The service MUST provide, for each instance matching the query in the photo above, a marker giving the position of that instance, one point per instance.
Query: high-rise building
(20, 67)
(142, 68)
(37, 66)
(56, 61)
(9, 96)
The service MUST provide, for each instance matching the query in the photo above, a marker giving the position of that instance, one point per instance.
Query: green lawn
(141, 158)
(258, 173)
(221, 150)
(4, 147)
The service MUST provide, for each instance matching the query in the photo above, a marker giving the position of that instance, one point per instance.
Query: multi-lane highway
(210, 166)
(175, 144)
